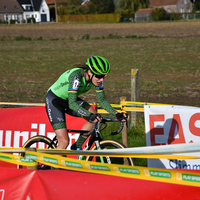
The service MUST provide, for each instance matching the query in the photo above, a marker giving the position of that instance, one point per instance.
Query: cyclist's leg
(62, 137)
(55, 108)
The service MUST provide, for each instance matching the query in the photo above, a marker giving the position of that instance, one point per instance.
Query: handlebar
(103, 120)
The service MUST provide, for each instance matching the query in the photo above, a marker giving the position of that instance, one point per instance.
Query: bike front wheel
(111, 144)
(38, 141)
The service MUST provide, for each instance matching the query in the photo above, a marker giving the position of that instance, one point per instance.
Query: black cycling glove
(120, 116)
(92, 117)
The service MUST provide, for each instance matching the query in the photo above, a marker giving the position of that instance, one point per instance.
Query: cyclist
(62, 97)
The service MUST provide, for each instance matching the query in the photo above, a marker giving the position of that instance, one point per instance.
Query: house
(52, 8)
(143, 15)
(172, 6)
(10, 10)
(37, 9)
(85, 3)
(50, 2)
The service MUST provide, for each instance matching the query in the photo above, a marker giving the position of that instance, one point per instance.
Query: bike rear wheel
(38, 141)
(111, 144)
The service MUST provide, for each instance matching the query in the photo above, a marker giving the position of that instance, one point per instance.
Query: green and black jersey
(71, 84)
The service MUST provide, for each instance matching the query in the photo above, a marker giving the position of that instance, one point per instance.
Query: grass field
(168, 64)
(166, 54)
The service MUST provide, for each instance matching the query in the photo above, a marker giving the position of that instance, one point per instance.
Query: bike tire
(36, 142)
(111, 144)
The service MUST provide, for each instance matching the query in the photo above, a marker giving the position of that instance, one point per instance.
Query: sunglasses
(100, 76)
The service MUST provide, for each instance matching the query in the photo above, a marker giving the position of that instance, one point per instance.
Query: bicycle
(95, 141)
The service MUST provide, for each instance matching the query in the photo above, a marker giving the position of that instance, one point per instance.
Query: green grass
(168, 70)
(164, 64)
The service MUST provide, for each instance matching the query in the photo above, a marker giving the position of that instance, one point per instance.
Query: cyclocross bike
(95, 141)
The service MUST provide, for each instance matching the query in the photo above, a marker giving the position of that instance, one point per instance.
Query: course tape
(99, 153)
(132, 152)
(189, 178)
(14, 159)
(124, 105)
(126, 152)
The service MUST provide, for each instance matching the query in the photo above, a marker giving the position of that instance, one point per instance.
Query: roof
(36, 3)
(154, 3)
(50, 1)
(10, 6)
(142, 11)
(85, 3)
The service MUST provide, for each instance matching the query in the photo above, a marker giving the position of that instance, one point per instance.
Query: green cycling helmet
(98, 65)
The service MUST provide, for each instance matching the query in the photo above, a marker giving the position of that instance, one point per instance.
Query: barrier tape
(161, 175)
(124, 105)
(151, 174)
(14, 159)
(126, 152)
(165, 149)
(103, 153)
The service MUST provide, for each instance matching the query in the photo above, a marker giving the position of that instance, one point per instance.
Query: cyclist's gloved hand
(94, 117)
(122, 116)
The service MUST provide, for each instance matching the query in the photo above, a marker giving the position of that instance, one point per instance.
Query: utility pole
(56, 15)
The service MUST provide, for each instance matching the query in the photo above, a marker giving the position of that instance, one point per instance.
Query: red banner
(23, 184)
(17, 125)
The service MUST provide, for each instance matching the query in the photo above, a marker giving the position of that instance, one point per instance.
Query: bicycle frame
(94, 138)
(93, 142)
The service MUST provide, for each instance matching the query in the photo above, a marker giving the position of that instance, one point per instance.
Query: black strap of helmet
(90, 78)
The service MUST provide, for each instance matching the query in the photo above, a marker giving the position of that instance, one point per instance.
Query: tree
(158, 14)
(130, 6)
(197, 5)
(101, 6)
(70, 7)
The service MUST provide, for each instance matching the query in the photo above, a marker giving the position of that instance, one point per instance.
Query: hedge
(90, 18)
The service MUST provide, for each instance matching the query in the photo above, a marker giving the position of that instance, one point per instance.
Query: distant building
(85, 3)
(143, 15)
(50, 2)
(35, 8)
(172, 6)
(10, 10)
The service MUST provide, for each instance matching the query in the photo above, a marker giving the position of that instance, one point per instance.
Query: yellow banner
(14, 159)
(189, 178)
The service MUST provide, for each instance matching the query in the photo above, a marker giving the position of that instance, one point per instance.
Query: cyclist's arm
(74, 83)
(102, 100)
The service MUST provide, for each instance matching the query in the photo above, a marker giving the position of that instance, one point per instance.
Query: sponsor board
(166, 125)
(17, 125)
(181, 177)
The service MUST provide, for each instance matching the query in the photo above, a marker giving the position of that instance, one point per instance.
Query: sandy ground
(64, 30)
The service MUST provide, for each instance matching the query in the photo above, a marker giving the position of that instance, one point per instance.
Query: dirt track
(60, 30)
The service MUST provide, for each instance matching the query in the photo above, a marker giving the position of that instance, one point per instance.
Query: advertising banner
(17, 125)
(172, 125)
(23, 184)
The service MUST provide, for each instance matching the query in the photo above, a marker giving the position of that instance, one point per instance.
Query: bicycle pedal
(43, 167)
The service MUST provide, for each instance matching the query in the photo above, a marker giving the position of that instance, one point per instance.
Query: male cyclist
(62, 97)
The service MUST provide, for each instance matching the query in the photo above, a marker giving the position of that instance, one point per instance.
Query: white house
(35, 8)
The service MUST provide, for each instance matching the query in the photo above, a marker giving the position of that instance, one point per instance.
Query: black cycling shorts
(56, 108)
